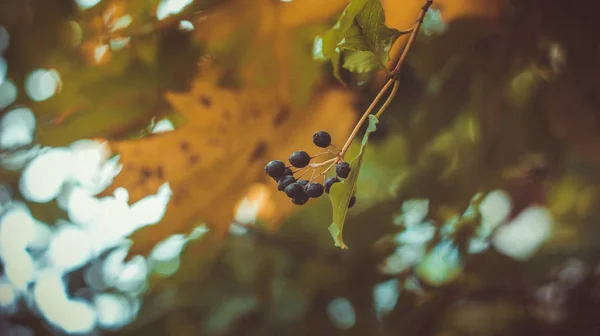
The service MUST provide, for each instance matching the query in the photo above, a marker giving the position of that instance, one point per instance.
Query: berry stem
(299, 176)
(321, 154)
(394, 79)
(320, 164)
(324, 172)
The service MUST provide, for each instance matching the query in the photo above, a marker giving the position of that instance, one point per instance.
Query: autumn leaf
(232, 128)
(212, 159)
(341, 193)
(360, 37)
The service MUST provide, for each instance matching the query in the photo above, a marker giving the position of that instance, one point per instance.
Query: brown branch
(394, 79)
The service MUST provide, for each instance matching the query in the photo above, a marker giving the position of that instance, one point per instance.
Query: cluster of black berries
(300, 191)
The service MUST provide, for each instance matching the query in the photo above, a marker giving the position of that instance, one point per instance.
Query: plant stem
(365, 116)
(394, 79)
(389, 99)
(304, 172)
(321, 154)
(324, 172)
(411, 38)
(321, 164)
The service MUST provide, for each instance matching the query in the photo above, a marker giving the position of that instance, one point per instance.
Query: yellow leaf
(229, 135)
(211, 161)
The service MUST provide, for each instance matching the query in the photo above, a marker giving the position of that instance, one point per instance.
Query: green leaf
(341, 193)
(361, 36)
(360, 61)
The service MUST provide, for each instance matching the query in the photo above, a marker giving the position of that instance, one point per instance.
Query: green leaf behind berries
(361, 36)
(341, 193)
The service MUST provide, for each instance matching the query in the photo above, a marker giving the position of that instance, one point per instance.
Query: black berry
(294, 190)
(275, 169)
(287, 172)
(299, 159)
(300, 200)
(314, 190)
(342, 169)
(321, 139)
(329, 182)
(284, 182)
(303, 182)
(352, 201)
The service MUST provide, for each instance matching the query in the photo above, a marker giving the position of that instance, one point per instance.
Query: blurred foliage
(508, 82)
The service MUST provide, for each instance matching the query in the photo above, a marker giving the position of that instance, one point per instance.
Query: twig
(320, 164)
(411, 38)
(365, 116)
(388, 101)
(394, 79)
(304, 172)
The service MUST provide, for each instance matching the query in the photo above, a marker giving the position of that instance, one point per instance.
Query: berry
(329, 182)
(322, 139)
(342, 169)
(352, 201)
(287, 172)
(284, 182)
(299, 159)
(314, 190)
(294, 190)
(303, 183)
(300, 200)
(275, 169)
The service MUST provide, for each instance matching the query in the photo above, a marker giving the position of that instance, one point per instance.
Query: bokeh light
(8, 93)
(42, 84)
(385, 296)
(186, 25)
(341, 313)
(16, 128)
(526, 233)
(170, 7)
(85, 4)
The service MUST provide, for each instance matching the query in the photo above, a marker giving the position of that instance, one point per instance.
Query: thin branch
(388, 101)
(412, 37)
(365, 116)
(394, 79)
(321, 164)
